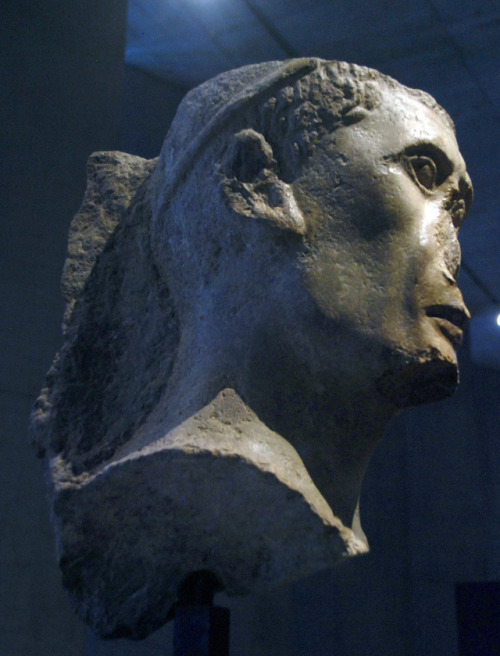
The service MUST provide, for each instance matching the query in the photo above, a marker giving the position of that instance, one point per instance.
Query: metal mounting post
(200, 628)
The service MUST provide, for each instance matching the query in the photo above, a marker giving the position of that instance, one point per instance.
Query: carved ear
(251, 186)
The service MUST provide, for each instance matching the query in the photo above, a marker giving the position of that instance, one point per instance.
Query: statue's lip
(450, 319)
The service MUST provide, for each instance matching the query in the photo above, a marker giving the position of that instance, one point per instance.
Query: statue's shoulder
(220, 492)
(228, 433)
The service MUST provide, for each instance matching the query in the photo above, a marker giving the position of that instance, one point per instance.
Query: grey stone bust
(245, 314)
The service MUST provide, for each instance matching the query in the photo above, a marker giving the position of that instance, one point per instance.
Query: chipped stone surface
(197, 499)
(245, 315)
(112, 180)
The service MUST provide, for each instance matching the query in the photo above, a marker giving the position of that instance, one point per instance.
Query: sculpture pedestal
(201, 631)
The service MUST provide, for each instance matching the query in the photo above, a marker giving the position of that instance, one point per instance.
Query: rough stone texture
(194, 500)
(112, 180)
(240, 331)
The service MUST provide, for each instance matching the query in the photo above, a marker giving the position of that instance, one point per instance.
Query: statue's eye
(424, 170)
(427, 165)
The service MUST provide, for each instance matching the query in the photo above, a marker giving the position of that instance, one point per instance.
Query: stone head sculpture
(245, 314)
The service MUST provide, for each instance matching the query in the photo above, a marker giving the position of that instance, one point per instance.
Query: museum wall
(61, 100)
(149, 106)
(432, 493)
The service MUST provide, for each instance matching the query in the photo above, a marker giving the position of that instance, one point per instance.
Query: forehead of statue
(398, 122)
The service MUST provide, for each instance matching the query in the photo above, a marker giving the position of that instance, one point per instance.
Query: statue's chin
(411, 380)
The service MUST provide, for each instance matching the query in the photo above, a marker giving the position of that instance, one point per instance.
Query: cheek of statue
(380, 254)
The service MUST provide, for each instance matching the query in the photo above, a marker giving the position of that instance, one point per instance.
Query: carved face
(383, 201)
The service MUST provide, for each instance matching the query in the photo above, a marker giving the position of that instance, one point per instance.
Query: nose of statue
(449, 294)
(446, 240)
(452, 255)
(440, 294)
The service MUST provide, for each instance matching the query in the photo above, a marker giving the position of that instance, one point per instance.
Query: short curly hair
(292, 103)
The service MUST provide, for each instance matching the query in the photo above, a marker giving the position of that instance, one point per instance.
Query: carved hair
(291, 103)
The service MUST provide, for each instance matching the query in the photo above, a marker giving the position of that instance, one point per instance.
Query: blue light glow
(485, 338)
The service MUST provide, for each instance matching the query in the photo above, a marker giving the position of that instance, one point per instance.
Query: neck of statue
(335, 445)
(333, 424)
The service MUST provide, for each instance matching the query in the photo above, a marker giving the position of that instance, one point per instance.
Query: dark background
(431, 499)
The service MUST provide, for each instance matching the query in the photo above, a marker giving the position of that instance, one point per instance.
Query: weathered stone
(244, 317)
(112, 180)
